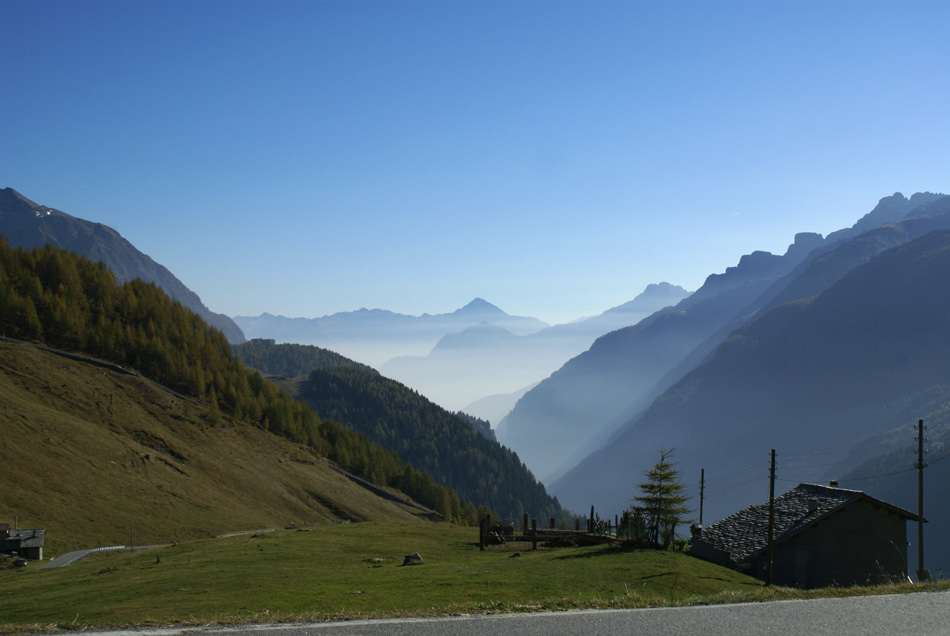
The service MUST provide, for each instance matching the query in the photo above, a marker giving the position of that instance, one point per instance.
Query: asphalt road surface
(923, 614)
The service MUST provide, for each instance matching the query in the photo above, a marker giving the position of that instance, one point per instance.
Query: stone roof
(745, 533)
(24, 538)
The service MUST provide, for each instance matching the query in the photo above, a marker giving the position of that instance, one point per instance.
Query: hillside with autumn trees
(56, 298)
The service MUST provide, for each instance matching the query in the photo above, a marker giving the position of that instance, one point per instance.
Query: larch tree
(662, 502)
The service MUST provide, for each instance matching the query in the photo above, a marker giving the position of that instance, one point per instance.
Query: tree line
(292, 360)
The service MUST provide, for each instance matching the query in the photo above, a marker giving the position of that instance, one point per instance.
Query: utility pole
(768, 562)
(922, 574)
(702, 484)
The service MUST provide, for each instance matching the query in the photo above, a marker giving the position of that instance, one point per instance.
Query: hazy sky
(304, 158)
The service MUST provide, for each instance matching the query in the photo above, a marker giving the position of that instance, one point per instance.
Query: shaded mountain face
(814, 379)
(594, 394)
(821, 268)
(445, 445)
(488, 360)
(373, 336)
(24, 223)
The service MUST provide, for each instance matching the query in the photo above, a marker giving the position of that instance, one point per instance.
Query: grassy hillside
(56, 298)
(350, 571)
(88, 453)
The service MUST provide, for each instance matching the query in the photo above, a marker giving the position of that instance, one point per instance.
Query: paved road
(924, 614)
(71, 557)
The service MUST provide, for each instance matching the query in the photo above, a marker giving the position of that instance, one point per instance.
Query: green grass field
(346, 571)
(355, 571)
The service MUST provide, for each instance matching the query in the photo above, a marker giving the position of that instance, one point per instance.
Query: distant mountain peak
(479, 305)
(664, 288)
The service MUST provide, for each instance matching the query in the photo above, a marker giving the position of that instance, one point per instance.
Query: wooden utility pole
(922, 574)
(702, 484)
(768, 557)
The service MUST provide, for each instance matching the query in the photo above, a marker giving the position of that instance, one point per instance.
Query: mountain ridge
(624, 371)
(863, 358)
(463, 367)
(25, 223)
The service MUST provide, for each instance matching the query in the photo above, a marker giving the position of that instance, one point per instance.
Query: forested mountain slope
(291, 360)
(428, 437)
(24, 223)
(57, 298)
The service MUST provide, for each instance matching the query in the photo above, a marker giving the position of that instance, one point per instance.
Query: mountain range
(596, 393)
(830, 368)
(373, 336)
(24, 223)
(487, 359)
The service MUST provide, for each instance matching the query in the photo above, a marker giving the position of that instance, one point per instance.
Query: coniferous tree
(663, 500)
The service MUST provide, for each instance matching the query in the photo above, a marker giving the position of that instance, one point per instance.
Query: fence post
(534, 534)
(552, 523)
(524, 524)
(482, 529)
(577, 524)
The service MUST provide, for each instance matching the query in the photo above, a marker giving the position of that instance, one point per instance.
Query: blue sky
(554, 158)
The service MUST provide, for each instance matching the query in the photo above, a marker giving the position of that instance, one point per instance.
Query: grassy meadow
(347, 571)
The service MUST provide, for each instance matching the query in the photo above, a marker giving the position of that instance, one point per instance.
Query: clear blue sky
(304, 158)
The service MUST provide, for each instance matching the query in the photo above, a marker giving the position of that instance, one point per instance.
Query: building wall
(861, 544)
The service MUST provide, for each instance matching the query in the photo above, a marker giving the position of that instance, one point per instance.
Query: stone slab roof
(745, 533)
(24, 538)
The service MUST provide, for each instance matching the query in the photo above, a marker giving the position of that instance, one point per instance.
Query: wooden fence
(592, 533)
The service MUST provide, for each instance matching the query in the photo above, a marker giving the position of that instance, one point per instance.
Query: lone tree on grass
(662, 502)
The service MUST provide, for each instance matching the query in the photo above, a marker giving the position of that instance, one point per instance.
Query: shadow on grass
(606, 551)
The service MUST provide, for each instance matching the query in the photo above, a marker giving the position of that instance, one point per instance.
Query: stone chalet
(823, 536)
(26, 543)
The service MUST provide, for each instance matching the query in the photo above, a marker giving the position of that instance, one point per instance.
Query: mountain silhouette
(373, 336)
(592, 395)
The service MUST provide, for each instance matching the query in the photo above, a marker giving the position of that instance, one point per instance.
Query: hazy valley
(832, 349)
